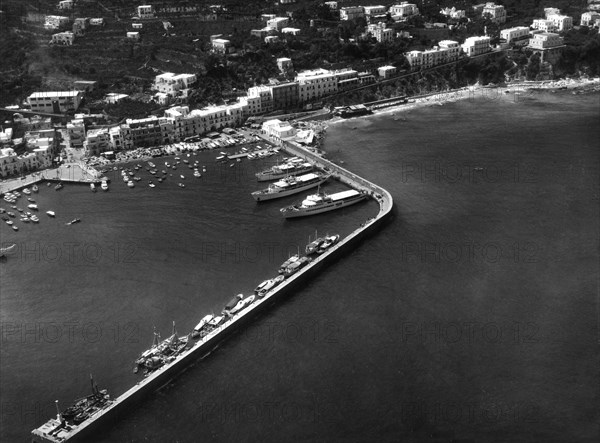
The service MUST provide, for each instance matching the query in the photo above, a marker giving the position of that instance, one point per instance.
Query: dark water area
(471, 316)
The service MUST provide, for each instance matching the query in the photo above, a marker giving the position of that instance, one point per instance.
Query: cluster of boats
(24, 216)
(293, 183)
(130, 178)
(165, 351)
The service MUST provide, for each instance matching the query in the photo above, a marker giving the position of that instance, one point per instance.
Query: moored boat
(280, 171)
(329, 241)
(322, 202)
(51, 213)
(104, 185)
(8, 250)
(290, 185)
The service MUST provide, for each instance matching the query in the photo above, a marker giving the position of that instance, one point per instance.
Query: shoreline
(475, 91)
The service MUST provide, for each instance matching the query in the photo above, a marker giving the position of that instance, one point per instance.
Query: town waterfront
(470, 316)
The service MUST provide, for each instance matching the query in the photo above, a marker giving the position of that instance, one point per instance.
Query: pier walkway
(76, 172)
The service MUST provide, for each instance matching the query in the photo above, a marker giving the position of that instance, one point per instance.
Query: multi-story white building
(55, 21)
(374, 10)
(271, 39)
(546, 40)
(75, 133)
(516, 34)
(380, 32)
(133, 35)
(277, 130)
(332, 5)
(386, 71)
(285, 65)
(476, 45)
(264, 94)
(346, 78)
(589, 18)
(315, 84)
(251, 105)
(496, 13)
(447, 51)
(404, 9)
(544, 25)
(63, 38)
(13, 164)
(351, 12)
(561, 22)
(174, 84)
(220, 45)
(97, 141)
(55, 102)
(278, 23)
(97, 21)
(145, 11)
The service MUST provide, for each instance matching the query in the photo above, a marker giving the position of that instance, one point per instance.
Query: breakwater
(54, 432)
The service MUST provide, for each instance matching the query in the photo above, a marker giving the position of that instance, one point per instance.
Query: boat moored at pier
(322, 202)
(290, 185)
(279, 171)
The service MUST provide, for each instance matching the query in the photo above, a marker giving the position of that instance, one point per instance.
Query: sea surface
(472, 315)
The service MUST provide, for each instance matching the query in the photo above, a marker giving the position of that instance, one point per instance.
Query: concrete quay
(66, 173)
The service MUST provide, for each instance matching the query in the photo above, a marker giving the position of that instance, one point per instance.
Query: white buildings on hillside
(514, 35)
(386, 71)
(447, 51)
(314, 84)
(145, 12)
(278, 23)
(476, 45)
(220, 45)
(402, 10)
(589, 18)
(546, 40)
(55, 21)
(55, 102)
(174, 84)
(63, 38)
(352, 12)
(554, 21)
(494, 12)
(380, 32)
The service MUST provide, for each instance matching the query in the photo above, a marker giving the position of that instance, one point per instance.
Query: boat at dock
(267, 285)
(161, 352)
(322, 202)
(58, 187)
(104, 185)
(329, 241)
(93, 187)
(313, 246)
(290, 185)
(296, 266)
(288, 262)
(279, 171)
(201, 326)
(33, 206)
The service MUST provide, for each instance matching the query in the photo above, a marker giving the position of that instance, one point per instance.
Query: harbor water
(471, 315)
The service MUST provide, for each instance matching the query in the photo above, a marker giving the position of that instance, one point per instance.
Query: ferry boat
(67, 421)
(321, 202)
(290, 185)
(280, 171)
